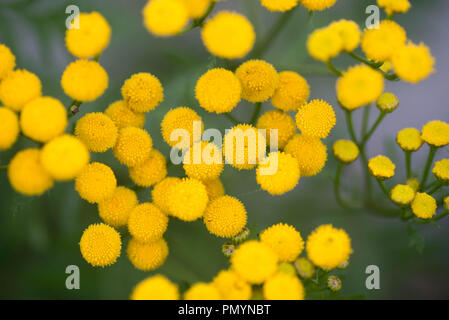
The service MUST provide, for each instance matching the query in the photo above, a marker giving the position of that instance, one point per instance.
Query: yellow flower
(413, 183)
(394, 6)
(316, 119)
(187, 199)
(142, 92)
(91, 38)
(197, 8)
(381, 167)
(254, 261)
(7, 61)
(446, 203)
(228, 35)
(203, 161)
(214, 188)
(133, 146)
(345, 150)
(160, 192)
(115, 210)
(435, 133)
(292, 91)
(231, 286)
(327, 246)
(387, 102)
(283, 286)
(382, 43)
(441, 170)
(165, 17)
(147, 223)
(156, 287)
(349, 33)
(424, 206)
(317, 5)
(218, 90)
(413, 63)
(285, 176)
(360, 85)
(280, 121)
(100, 245)
(225, 217)
(409, 139)
(26, 174)
(181, 118)
(304, 268)
(324, 44)
(248, 146)
(64, 157)
(84, 80)
(259, 80)
(18, 88)
(202, 291)
(123, 116)
(402, 194)
(151, 171)
(97, 131)
(279, 5)
(96, 182)
(310, 152)
(285, 240)
(147, 257)
(9, 128)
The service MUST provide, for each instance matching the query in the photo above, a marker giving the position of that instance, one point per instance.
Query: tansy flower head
(394, 6)
(280, 121)
(165, 17)
(18, 88)
(345, 150)
(359, 86)
(413, 183)
(9, 128)
(123, 116)
(381, 167)
(218, 90)
(413, 63)
(160, 192)
(283, 286)
(279, 5)
(187, 199)
(225, 217)
(64, 157)
(214, 188)
(310, 152)
(285, 240)
(84, 80)
(317, 5)
(147, 223)
(349, 33)
(100, 245)
(254, 261)
(436, 133)
(231, 286)
(27, 175)
(97, 131)
(133, 146)
(292, 91)
(203, 161)
(91, 38)
(228, 35)
(7, 61)
(181, 118)
(382, 43)
(334, 283)
(147, 257)
(115, 210)
(151, 171)
(441, 170)
(197, 8)
(156, 287)
(142, 92)
(324, 44)
(96, 182)
(316, 119)
(327, 246)
(409, 139)
(387, 102)
(202, 291)
(259, 80)
(402, 194)
(424, 206)
(304, 268)
(278, 173)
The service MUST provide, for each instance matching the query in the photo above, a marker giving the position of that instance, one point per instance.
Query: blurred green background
(39, 235)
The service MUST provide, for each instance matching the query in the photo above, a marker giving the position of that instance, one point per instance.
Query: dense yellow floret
(402, 194)
(283, 286)
(96, 182)
(310, 152)
(280, 121)
(435, 133)
(279, 5)
(7, 61)
(231, 286)
(187, 199)
(147, 223)
(441, 170)
(202, 291)
(349, 33)
(345, 150)
(160, 192)
(18, 88)
(292, 91)
(394, 6)
(285, 240)
(324, 44)
(180, 121)
(203, 161)
(9, 128)
(156, 287)
(317, 5)
(316, 119)
(387, 102)
(165, 17)
(115, 210)
(123, 116)
(100, 245)
(214, 188)
(409, 139)
(381, 167)
(97, 131)
(133, 146)
(147, 257)
(142, 92)
(413, 63)
(225, 217)
(424, 206)
(151, 171)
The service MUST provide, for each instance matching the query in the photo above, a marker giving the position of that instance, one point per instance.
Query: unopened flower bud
(241, 237)
(387, 102)
(304, 268)
(334, 283)
(228, 249)
(287, 268)
(343, 265)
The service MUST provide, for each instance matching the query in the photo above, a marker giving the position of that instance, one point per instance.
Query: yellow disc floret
(316, 119)
(285, 240)
(156, 287)
(292, 91)
(133, 146)
(435, 133)
(100, 245)
(283, 286)
(413, 63)
(324, 44)
(381, 167)
(231, 286)
(181, 127)
(7, 61)
(115, 210)
(165, 17)
(160, 193)
(424, 206)
(349, 33)
(402, 194)
(345, 150)
(225, 217)
(147, 257)
(123, 116)
(97, 131)
(9, 128)
(202, 291)
(441, 170)
(147, 223)
(197, 8)
(204, 161)
(96, 182)
(18, 88)
(279, 5)
(280, 121)
(310, 152)
(151, 171)
(409, 139)
(188, 199)
(142, 92)
(317, 5)
(394, 6)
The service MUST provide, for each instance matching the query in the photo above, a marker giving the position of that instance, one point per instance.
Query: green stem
(230, 117)
(351, 126)
(200, 21)
(375, 66)
(310, 16)
(366, 114)
(333, 69)
(408, 163)
(337, 192)
(435, 188)
(256, 113)
(384, 189)
(374, 127)
(429, 162)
